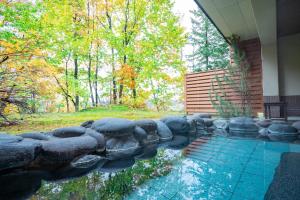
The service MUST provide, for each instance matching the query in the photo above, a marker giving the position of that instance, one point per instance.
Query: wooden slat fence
(198, 87)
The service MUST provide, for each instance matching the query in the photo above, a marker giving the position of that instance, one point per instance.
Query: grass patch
(49, 121)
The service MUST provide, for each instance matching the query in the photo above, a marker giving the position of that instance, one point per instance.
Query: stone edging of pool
(113, 144)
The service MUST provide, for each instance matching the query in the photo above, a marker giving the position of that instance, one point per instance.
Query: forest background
(69, 56)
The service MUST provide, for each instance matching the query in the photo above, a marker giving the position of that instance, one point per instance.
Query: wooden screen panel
(197, 95)
(198, 85)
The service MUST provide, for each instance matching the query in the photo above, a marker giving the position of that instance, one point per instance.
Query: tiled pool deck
(219, 168)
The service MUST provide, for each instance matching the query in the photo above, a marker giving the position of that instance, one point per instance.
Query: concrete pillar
(270, 70)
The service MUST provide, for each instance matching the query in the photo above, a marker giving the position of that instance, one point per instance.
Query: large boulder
(147, 152)
(282, 132)
(178, 125)
(208, 122)
(221, 124)
(199, 123)
(265, 123)
(163, 131)
(202, 115)
(97, 136)
(178, 142)
(73, 131)
(87, 124)
(193, 126)
(7, 138)
(117, 165)
(20, 185)
(140, 134)
(114, 127)
(35, 136)
(263, 133)
(121, 147)
(150, 127)
(85, 161)
(78, 167)
(16, 152)
(221, 132)
(243, 126)
(60, 151)
(296, 125)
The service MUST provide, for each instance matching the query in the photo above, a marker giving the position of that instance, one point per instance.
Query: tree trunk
(76, 83)
(206, 42)
(110, 25)
(134, 89)
(125, 43)
(154, 96)
(114, 77)
(67, 85)
(90, 59)
(90, 81)
(33, 107)
(68, 104)
(96, 78)
(121, 83)
(120, 93)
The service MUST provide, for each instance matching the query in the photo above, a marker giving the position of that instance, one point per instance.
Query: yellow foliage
(10, 109)
(127, 76)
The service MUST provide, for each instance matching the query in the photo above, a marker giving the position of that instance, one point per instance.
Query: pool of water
(214, 167)
(219, 168)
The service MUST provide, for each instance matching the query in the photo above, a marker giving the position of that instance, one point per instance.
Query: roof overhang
(246, 18)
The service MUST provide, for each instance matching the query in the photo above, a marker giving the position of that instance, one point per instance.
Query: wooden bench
(282, 110)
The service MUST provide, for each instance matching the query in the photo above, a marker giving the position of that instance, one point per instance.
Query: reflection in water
(213, 167)
(99, 185)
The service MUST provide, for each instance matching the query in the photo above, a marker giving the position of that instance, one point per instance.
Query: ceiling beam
(265, 17)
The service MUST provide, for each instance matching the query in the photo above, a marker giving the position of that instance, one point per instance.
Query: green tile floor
(220, 168)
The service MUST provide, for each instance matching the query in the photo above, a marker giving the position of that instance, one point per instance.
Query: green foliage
(235, 80)
(24, 74)
(210, 50)
(97, 50)
(115, 186)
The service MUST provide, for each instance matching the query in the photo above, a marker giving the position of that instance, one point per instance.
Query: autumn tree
(69, 41)
(79, 52)
(24, 73)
